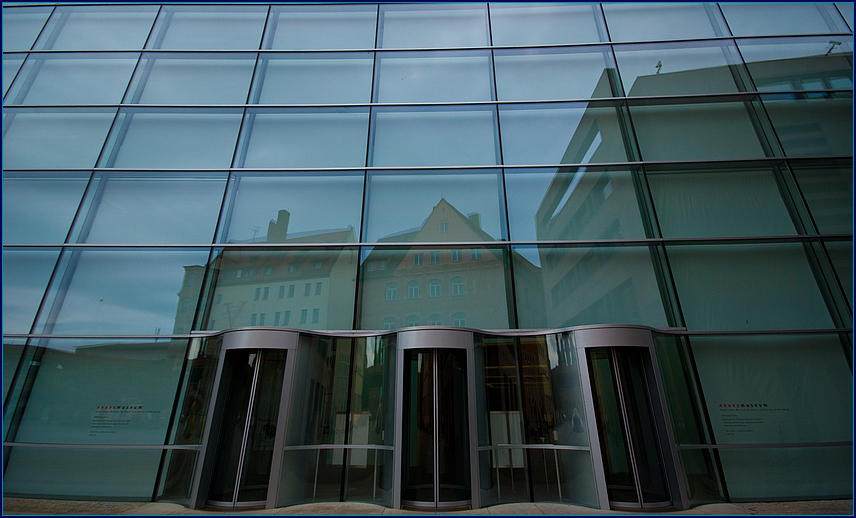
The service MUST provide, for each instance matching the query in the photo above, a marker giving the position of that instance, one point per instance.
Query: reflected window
(786, 64)
(434, 320)
(434, 289)
(412, 321)
(457, 287)
(457, 256)
(286, 316)
(417, 259)
(413, 290)
(459, 320)
(391, 291)
(813, 127)
(388, 324)
(435, 257)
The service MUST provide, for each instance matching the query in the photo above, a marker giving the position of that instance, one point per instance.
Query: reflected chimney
(475, 219)
(278, 229)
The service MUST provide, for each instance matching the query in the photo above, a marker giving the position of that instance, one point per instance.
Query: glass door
(436, 470)
(630, 445)
(252, 388)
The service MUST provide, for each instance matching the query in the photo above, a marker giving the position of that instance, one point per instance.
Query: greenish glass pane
(566, 133)
(310, 476)
(696, 132)
(544, 24)
(330, 78)
(372, 402)
(295, 207)
(203, 356)
(433, 76)
(572, 204)
(54, 138)
(192, 79)
(500, 418)
(369, 477)
(720, 203)
(240, 274)
(82, 473)
(473, 288)
(569, 286)
(547, 74)
(432, 26)
(26, 273)
(677, 376)
(576, 475)
(701, 477)
(784, 64)
(677, 68)
(846, 10)
(21, 25)
(742, 287)
(13, 348)
(828, 190)
(662, 21)
(209, 27)
(11, 64)
(813, 127)
(39, 207)
(782, 19)
(177, 480)
(841, 254)
(434, 206)
(98, 27)
(341, 26)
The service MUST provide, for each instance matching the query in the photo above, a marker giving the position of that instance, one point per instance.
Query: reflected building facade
(428, 256)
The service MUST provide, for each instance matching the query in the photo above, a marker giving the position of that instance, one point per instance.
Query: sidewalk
(26, 506)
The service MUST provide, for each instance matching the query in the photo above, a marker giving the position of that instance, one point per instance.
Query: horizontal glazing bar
(339, 447)
(102, 446)
(533, 447)
(747, 446)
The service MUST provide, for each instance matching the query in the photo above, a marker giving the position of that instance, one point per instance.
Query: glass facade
(352, 172)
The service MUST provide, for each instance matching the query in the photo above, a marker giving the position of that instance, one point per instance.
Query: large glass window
(209, 27)
(775, 19)
(813, 127)
(808, 63)
(432, 26)
(26, 273)
(343, 26)
(545, 24)
(21, 25)
(11, 64)
(316, 78)
(433, 76)
(663, 21)
(97, 27)
(39, 207)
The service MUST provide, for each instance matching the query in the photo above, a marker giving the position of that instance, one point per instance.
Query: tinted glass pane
(813, 127)
(25, 276)
(13, 348)
(295, 207)
(152, 209)
(481, 301)
(846, 10)
(564, 286)
(433, 77)
(783, 64)
(781, 19)
(73, 79)
(209, 27)
(54, 139)
(560, 134)
(21, 26)
(11, 64)
(666, 21)
(695, 132)
(322, 27)
(719, 204)
(829, 194)
(434, 136)
(187, 79)
(240, 273)
(545, 74)
(841, 254)
(38, 208)
(431, 26)
(544, 24)
(314, 78)
(304, 138)
(570, 204)
(372, 395)
(128, 292)
(430, 207)
(98, 27)
(173, 139)
(741, 287)
(676, 69)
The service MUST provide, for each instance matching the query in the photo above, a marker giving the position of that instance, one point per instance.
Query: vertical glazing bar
(436, 381)
(496, 461)
(317, 461)
(558, 475)
(247, 421)
(625, 422)
(374, 479)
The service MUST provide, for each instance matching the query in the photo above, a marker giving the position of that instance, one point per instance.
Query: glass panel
(175, 482)
(775, 19)
(689, 132)
(572, 204)
(783, 64)
(11, 64)
(841, 254)
(438, 136)
(173, 139)
(504, 476)
(302, 138)
(119, 474)
(418, 477)
(237, 27)
(54, 138)
(432, 26)
(21, 25)
(431, 207)
(544, 24)
(372, 402)
(676, 374)
(720, 203)
(560, 134)
(73, 79)
(453, 450)
(127, 292)
(546, 74)
(240, 273)
(570, 286)
(576, 477)
(369, 476)
(310, 476)
(846, 10)
(665, 21)
(192, 79)
(39, 207)
(701, 477)
(329, 78)
(439, 76)
(13, 348)
(100, 27)
(26, 273)
(678, 68)
(829, 194)
(322, 27)
(813, 127)
(152, 209)
(287, 207)
(480, 300)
